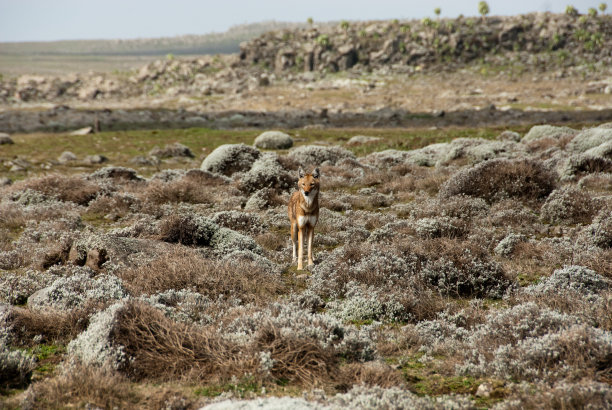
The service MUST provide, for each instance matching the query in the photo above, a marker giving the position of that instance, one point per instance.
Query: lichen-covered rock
(251, 257)
(105, 251)
(66, 157)
(95, 159)
(230, 158)
(478, 150)
(246, 222)
(441, 226)
(5, 139)
(362, 139)
(509, 136)
(172, 150)
(116, 173)
(594, 160)
(316, 155)
(266, 172)
(273, 140)
(548, 131)
(427, 156)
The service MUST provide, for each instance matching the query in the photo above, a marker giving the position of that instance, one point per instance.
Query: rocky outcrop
(412, 43)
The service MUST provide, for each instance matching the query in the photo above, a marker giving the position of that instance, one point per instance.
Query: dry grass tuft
(294, 359)
(370, 374)
(186, 189)
(186, 269)
(164, 350)
(65, 188)
(50, 326)
(80, 386)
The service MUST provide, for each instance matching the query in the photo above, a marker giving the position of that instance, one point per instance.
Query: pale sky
(48, 20)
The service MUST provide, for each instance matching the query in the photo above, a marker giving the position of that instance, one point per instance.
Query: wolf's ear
(300, 173)
(316, 173)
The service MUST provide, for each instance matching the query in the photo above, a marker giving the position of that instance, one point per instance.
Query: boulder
(316, 155)
(95, 159)
(5, 139)
(273, 140)
(548, 131)
(82, 131)
(266, 172)
(362, 139)
(172, 150)
(66, 157)
(589, 139)
(230, 158)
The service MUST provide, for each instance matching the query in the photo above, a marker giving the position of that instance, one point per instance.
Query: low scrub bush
(15, 367)
(187, 229)
(498, 179)
(600, 231)
(569, 205)
(76, 291)
(530, 343)
(460, 268)
(565, 394)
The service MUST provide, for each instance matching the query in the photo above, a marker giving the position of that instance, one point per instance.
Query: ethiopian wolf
(304, 214)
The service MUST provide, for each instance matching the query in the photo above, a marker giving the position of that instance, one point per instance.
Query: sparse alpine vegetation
(457, 274)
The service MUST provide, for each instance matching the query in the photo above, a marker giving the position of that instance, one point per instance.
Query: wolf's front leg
(294, 242)
(300, 249)
(310, 238)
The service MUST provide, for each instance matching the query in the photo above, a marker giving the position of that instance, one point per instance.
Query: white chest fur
(307, 220)
(310, 198)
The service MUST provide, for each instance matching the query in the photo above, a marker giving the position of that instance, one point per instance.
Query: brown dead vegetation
(49, 326)
(189, 190)
(82, 386)
(498, 179)
(163, 349)
(65, 188)
(186, 269)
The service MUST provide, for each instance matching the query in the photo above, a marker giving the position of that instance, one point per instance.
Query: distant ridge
(212, 43)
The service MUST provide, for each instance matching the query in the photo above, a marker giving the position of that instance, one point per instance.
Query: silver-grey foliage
(230, 158)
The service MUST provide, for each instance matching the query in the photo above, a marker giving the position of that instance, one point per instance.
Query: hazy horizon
(64, 20)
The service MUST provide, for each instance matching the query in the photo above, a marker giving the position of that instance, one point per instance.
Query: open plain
(463, 253)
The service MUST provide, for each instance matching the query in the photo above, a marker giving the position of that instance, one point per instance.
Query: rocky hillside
(566, 38)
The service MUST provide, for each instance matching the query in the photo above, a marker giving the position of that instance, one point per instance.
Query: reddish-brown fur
(304, 214)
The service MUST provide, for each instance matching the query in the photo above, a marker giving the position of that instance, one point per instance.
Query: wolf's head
(308, 184)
